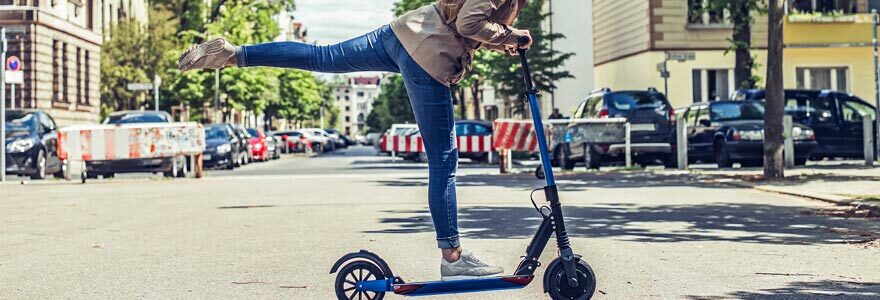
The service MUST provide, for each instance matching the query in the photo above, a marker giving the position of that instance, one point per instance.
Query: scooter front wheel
(352, 274)
(559, 288)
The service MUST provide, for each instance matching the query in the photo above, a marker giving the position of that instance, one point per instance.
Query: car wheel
(182, 172)
(63, 171)
(722, 155)
(671, 161)
(40, 165)
(237, 158)
(800, 161)
(592, 158)
(230, 165)
(564, 159)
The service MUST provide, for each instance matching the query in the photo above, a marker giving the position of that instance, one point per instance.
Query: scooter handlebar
(524, 40)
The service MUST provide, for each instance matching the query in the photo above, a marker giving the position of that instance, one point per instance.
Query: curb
(839, 200)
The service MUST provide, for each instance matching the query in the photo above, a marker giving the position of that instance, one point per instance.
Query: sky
(333, 21)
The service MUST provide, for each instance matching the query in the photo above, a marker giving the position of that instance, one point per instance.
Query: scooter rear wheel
(558, 282)
(353, 273)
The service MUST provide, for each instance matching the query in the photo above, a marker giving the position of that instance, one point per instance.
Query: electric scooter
(367, 276)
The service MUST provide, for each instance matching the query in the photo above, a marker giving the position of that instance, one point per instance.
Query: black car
(32, 145)
(245, 146)
(168, 166)
(222, 147)
(346, 140)
(728, 132)
(836, 118)
(652, 121)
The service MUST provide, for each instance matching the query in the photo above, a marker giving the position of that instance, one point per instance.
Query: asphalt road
(273, 230)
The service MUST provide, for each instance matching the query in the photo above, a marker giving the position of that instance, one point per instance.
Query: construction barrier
(131, 141)
(414, 144)
(515, 135)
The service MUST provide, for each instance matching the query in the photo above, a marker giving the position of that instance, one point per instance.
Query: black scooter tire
(558, 287)
(349, 275)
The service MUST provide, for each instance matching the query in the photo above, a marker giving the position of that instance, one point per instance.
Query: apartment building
(355, 99)
(827, 46)
(59, 43)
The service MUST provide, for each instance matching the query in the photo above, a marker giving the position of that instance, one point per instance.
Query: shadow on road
(571, 181)
(823, 289)
(748, 223)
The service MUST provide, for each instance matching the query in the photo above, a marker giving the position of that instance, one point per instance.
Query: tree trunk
(475, 93)
(742, 43)
(462, 107)
(773, 113)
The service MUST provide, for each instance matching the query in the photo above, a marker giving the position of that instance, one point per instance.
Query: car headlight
(803, 134)
(258, 146)
(224, 148)
(21, 145)
(751, 135)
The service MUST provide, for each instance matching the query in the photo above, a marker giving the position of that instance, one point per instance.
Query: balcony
(827, 23)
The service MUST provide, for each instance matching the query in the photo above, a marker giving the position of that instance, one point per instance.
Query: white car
(319, 142)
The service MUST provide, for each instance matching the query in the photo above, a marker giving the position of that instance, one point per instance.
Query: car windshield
(808, 106)
(732, 111)
(216, 132)
(636, 100)
(131, 118)
(252, 132)
(21, 122)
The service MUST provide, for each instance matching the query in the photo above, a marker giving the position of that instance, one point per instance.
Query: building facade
(59, 43)
(354, 98)
(827, 46)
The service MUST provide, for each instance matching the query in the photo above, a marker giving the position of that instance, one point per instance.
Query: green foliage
(391, 107)
(547, 65)
(740, 15)
(403, 6)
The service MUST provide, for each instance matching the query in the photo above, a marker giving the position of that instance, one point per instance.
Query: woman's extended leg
(363, 53)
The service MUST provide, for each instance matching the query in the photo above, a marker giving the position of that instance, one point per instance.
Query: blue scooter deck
(463, 286)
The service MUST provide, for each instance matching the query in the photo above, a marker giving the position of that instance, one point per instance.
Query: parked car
(471, 128)
(244, 137)
(169, 166)
(652, 121)
(372, 139)
(32, 145)
(396, 130)
(329, 141)
(274, 145)
(344, 140)
(836, 117)
(728, 132)
(259, 145)
(222, 147)
(136, 116)
(318, 140)
(293, 141)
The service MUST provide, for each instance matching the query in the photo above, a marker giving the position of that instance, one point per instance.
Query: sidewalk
(845, 184)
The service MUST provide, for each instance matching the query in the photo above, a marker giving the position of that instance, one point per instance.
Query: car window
(691, 116)
(46, 122)
(579, 110)
(592, 107)
(739, 110)
(636, 100)
(460, 129)
(20, 122)
(482, 129)
(132, 118)
(702, 114)
(853, 111)
(808, 106)
(216, 132)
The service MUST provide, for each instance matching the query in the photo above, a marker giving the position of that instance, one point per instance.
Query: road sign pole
(876, 19)
(3, 105)
(12, 96)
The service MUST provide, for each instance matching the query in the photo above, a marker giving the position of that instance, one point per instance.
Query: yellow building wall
(859, 60)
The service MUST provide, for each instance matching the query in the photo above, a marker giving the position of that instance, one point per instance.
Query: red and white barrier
(515, 135)
(414, 144)
(130, 141)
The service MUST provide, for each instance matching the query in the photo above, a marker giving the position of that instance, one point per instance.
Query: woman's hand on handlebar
(520, 35)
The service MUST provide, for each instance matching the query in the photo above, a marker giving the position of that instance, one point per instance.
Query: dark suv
(652, 121)
(836, 117)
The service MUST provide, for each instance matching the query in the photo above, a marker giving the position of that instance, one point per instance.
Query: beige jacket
(446, 51)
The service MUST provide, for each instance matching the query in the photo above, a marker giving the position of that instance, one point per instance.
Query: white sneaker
(211, 55)
(466, 267)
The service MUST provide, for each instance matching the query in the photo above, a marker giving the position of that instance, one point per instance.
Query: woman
(431, 47)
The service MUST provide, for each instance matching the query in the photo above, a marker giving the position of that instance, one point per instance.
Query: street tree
(547, 64)
(775, 103)
(403, 6)
(391, 107)
(740, 15)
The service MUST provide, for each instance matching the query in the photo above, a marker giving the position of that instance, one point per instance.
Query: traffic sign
(144, 86)
(13, 63)
(681, 56)
(14, 77)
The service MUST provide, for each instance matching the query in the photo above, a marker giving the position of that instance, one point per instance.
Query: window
(809, 107)
(360, 94)
(823, 6)
(361, 118)
(79, 77)
(56, 71)
(348, 108)
(853, 111)
(88, 81)
(593, 106)
(64, 75)
(482, 130)
(90, 6)
(7, 2)
(347, 98)
(362, 106)
(347, 119)
(823, 78)
(712, 84)
(700, 16)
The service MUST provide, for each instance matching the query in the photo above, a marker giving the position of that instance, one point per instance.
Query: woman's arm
(473, 22)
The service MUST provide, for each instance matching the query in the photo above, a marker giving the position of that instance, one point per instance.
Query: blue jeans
(431, 102)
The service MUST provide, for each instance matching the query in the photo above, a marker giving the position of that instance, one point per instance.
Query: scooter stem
(532, 95)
